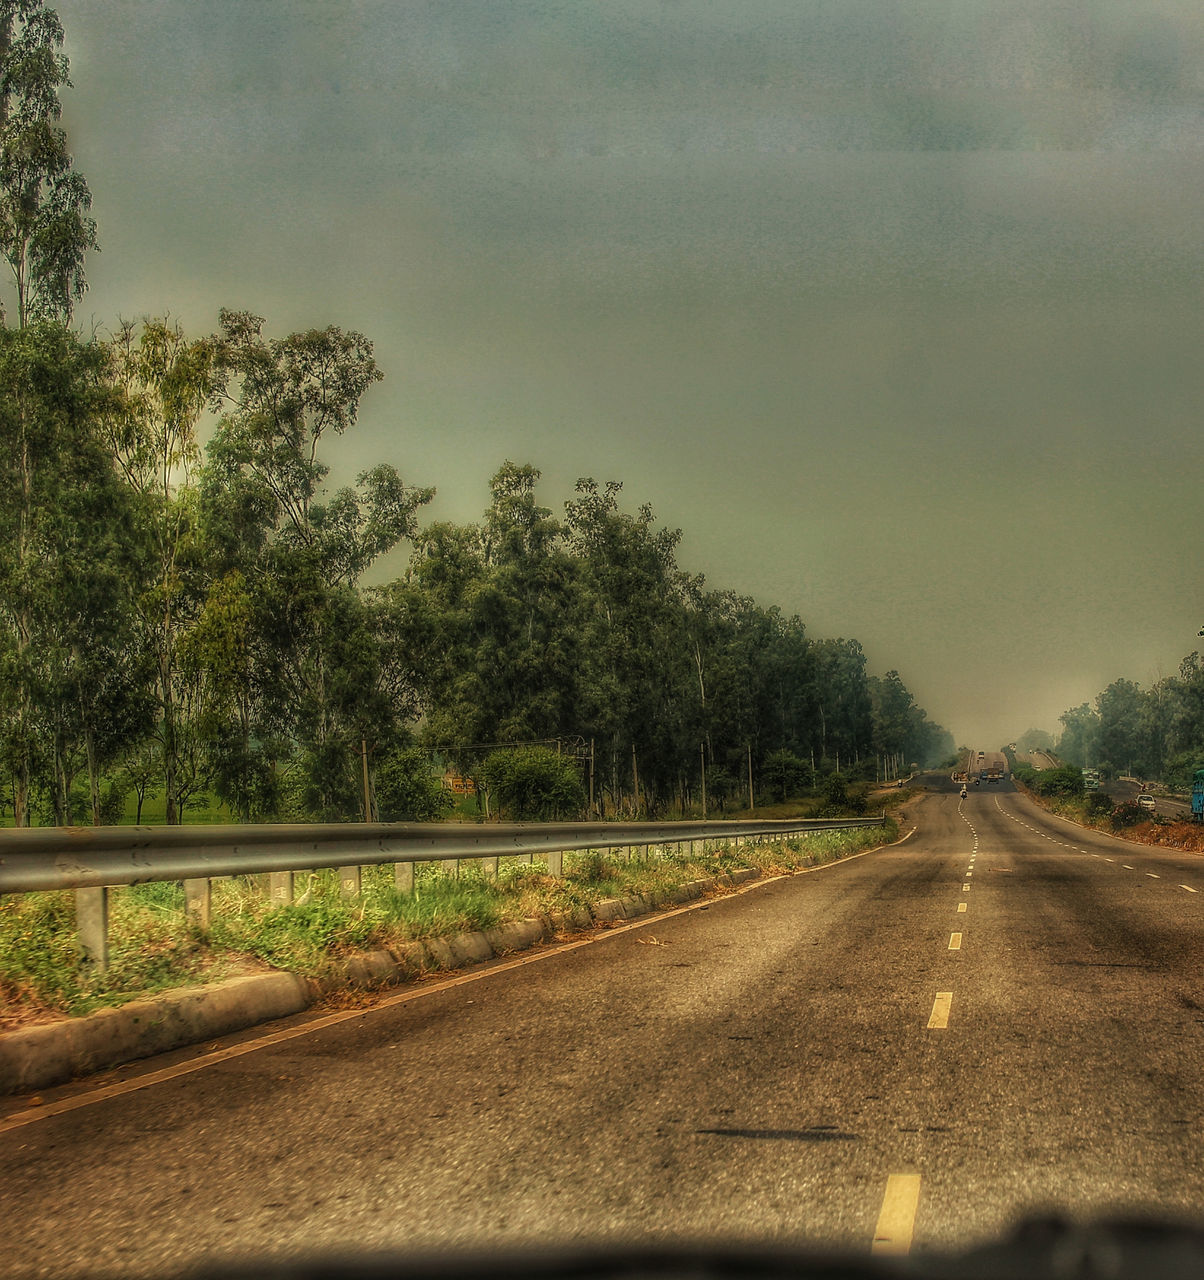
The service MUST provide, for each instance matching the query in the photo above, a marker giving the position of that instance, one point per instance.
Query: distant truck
(1197, 796)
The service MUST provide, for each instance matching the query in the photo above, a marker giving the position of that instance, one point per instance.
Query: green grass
(153, 947)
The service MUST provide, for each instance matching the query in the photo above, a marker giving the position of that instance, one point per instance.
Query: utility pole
(751, 804)
(367, 788)
(591, 779)
(635, 779)
(702, 755)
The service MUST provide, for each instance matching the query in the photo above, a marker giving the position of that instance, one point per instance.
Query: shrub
(534, 783)
(1128, 815)
(783, 774)
(1066, 782)
(1098, 804)
(407, 789)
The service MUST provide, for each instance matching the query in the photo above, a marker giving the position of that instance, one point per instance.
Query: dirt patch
(1187, 836)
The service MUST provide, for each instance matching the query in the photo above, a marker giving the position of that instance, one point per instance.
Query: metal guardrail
(91, 860)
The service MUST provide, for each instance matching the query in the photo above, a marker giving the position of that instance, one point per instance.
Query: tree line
(1151, 733)
(184, 599)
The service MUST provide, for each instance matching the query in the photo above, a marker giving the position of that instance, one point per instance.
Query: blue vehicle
(1197, 796)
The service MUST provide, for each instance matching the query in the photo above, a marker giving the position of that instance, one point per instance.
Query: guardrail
(91, 860)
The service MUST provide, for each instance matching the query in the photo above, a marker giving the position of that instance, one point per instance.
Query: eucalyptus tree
(63, 536)
(636, 685)
(316, 641)
(45, 227)
(163, 382)
(842, 701)
(527, 647)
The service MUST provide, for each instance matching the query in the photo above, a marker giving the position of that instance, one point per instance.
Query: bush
(407, 789)
(1128, 815)
(534, 783)
(1098, 804)
(1065, 782)
(783, 774)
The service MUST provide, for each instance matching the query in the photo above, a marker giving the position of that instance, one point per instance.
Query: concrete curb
(52, 1053)
(55, 1052)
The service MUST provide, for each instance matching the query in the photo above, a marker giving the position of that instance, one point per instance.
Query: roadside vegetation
(1061, 791)
(193, 621)
(42, 975)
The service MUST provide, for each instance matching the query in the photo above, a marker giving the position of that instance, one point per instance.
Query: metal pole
(367, 790)
(751, 802)
(591, 779)
(702, 753)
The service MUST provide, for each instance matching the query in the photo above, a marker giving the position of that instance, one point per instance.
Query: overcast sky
(893, 306)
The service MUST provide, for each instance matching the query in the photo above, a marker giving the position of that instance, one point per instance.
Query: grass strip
(153, 947)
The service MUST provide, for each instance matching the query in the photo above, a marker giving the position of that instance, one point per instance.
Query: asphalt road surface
(771, 1066)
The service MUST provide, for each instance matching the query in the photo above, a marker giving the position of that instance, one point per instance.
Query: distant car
(1146, 802)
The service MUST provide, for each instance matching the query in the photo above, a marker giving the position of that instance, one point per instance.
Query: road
(754, 1068)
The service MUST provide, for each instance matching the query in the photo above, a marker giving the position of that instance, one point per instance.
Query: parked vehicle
(1146, 801)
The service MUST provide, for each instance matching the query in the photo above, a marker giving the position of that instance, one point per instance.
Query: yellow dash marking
(1153, 875)
(938, 1019)
(1188, 888)
(955, 942)
(965, 888)
(961, 906)
(1109, 859)
(1126, 866)
(897, 1220)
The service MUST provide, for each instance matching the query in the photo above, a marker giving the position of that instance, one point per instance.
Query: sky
(891, 306)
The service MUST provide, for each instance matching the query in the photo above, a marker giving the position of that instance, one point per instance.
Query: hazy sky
(893, 306)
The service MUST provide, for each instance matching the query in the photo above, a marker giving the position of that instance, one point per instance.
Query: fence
(91, 860)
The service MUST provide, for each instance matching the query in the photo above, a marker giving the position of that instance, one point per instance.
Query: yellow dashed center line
(961, 906)
(1188, 888)
(955, 942)
(938, 1019)
(897, 1219)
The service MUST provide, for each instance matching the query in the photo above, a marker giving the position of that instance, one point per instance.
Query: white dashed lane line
(1153, 875)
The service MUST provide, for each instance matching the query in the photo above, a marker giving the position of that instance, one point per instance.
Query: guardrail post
(198, 903)
(556, 863)
(92, 925)
(489, 867)
(349, 882)
(280, 888)
(403, 877)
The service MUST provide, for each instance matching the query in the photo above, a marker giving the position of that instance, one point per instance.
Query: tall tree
(45, 228)
(60, 509)
(164, 381)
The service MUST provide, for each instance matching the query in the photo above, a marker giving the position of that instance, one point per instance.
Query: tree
(45, 229)
(1080, 732)
(65, 530)
(164, 381)
(318, 650)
